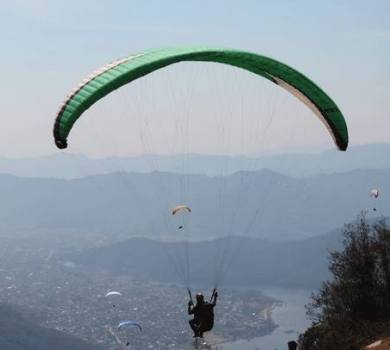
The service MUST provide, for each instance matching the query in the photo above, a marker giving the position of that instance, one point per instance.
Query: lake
(290, 318)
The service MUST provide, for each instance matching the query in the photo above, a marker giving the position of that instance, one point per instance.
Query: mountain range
(259, 204)
(67, 165)
(246, 262)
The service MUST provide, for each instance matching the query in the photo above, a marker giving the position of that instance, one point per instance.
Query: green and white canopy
(126, 70)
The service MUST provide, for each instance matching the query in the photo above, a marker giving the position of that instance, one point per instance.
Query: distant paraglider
(374, 193)
(180, 208)
(113, 293)
(112, 296)
(129, 324)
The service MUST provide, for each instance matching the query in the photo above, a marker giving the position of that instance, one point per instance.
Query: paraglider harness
(206, 317)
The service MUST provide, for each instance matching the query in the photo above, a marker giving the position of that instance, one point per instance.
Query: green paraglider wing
(123, 71)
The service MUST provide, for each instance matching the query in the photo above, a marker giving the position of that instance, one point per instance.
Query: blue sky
(48, 46)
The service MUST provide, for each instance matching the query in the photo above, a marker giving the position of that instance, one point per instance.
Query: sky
(49, 46)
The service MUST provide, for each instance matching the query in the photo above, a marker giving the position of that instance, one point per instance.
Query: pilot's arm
(214, 301)
(190, 307)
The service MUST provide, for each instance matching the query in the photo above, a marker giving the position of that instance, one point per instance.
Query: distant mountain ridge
(268, 205)
(65, 165)
(298, 264)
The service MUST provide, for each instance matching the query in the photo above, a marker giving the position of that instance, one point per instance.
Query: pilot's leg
(195, 327)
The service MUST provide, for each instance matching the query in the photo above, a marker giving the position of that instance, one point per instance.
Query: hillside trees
(354, 306)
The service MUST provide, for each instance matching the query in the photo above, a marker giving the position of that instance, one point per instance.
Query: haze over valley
(54, 264)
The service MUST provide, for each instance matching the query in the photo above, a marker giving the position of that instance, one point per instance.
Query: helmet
(199, 297)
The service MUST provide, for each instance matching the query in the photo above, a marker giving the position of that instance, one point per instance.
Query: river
(290, 318)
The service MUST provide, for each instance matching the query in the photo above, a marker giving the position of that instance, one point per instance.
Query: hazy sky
(49, 46)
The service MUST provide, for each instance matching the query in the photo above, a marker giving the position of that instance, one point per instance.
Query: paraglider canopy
(125, 70)
(181, 208)
(113, 293)
(129, 324)
(374, 193)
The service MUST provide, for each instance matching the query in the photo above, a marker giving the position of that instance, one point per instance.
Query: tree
(352, 307)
